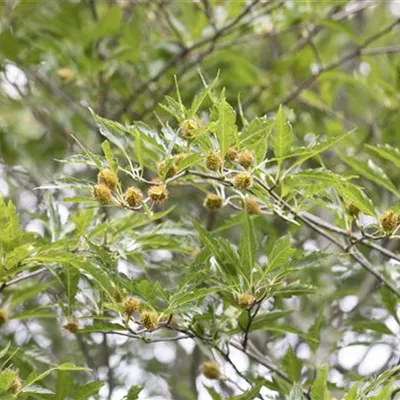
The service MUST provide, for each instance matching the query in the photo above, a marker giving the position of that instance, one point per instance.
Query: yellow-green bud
(107, 178)
(353, 210)
(389, 221)
(158, 194)
(213, 201)
(172, 169)
(245, 300)
(188, 128)
(211, 370)
(16, 385)
(149, 320)
(4, 317)
(131, 305)
(72, 326)
(133, 197)
(102, 194)
(245, 158)
(179, 157)
(231, 154)
(251, 206)
(243, 180)
(214, 161)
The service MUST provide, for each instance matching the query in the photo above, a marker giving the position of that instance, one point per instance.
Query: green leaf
(387, 152)
(283, 138)
(261, 321)
(133, 392)
(354, 194)
(256, 130)
(179, 299)
(390, 300)
(63, 367)
(292, 365)
(222, 252)
(352, 394)
(200, 97)
(226, 129)
(280, 254)
(315, 332)
(72, 280)
(139, 147)
(319, 389)
(88, 390)
(248, 245)
(103, 327)
(214, 395)
(249, 394)
(372, 172)
(376, 326)
(109, 156)
(296, 393)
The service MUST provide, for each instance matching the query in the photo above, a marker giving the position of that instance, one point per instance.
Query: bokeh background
(334, 65)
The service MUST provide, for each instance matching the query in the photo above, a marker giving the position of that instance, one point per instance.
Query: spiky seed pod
(172, 169)
(133, 197)
(149, 320)
(211, 370)
(158, 194)
(231, 154)
(251, 206)
(131, 305)
(245, 158)
(102, 194)
(16, 385)
(4, 317)
(214, 161)
(107, 178)
(389, 221)
(179, 157)
(72, 326)
(352, 210)
(213, 201)
(245, 300)
(243, 180)
(188, 128)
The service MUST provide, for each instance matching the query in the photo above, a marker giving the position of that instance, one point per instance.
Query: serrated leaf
(292, 364)
(372, 172)
(296, 393)
(387, 152)
(179, 299)
(283, 138)
(352, 394)
(133, 392)
(200, 97)
(248, 245)
(226, 129)
(354, 194)
(249, 394)
(373, 325)
(63, 367)
(319, 389)
(257, 129)
(280, 253)
(109, 156)
(89, 389)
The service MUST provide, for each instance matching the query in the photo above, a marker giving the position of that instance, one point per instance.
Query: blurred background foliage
(334, 65)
